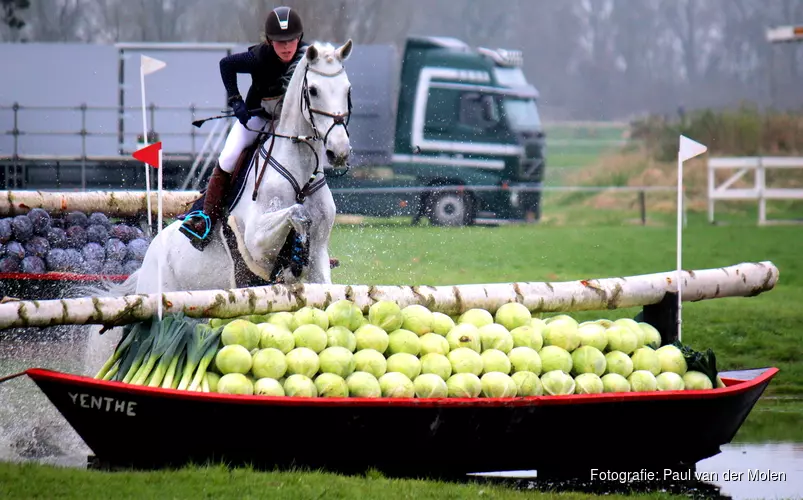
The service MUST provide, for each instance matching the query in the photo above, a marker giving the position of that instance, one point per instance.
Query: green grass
(563, 157)
(571, 146)
(45, 482)
(743, 332)
(580, 131)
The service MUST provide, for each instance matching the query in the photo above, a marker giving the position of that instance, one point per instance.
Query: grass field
(572, 146)
(30, 482)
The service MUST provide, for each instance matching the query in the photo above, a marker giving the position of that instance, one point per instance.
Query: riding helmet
(283, 24)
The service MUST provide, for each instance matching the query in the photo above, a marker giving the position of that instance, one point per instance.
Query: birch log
(741, 280)
(111, 203)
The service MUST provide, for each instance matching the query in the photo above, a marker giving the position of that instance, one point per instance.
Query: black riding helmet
(283, 24)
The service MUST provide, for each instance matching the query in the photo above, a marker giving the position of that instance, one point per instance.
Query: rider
(271, 65)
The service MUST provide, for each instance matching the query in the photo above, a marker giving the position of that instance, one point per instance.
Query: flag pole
(152, 156)
(687, 149)
(145, 142)
(679, 239)
(159, 232)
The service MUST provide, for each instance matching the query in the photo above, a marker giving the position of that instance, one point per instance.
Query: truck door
(479, 116)
(461, 117)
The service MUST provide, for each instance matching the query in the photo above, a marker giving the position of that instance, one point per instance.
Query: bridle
(339, 119)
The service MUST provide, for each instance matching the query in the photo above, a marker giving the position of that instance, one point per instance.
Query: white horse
(312, 121)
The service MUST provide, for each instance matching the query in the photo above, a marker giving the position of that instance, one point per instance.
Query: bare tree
(11, 19)
(590, 59)
(59, 21)
(147, 20)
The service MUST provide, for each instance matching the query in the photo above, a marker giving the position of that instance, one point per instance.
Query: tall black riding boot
(214, 199)
(216, 194)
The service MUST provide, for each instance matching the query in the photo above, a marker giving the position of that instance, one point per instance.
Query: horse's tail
(108, 288)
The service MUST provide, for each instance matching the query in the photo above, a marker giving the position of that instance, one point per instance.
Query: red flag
(149, 154)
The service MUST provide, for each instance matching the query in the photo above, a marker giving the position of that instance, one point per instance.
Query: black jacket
(270, 76)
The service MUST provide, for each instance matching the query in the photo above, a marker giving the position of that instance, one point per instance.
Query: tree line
(590, 59)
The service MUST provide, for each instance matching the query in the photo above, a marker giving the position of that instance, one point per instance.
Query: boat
(131, 426)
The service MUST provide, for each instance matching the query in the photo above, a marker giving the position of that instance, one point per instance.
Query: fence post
(685, 208)
(83, 146)
(11, 173)
(193, 133)
(642, 199)
(153, 124)
(711, 188)
(16, 131)
(761, 181)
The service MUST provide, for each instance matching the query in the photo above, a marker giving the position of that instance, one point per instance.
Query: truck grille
(532, 169)
(534, 150)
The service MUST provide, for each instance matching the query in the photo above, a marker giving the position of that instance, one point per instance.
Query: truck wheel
(449, 209)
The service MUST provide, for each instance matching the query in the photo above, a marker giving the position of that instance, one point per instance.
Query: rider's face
(285, 50)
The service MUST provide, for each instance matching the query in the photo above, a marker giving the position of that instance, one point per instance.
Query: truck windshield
(522, 114)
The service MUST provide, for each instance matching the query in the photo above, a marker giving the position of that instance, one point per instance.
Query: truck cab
(465, 118)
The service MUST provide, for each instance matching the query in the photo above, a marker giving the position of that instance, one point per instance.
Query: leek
(122, 347)
(109, 375)
(201, 340)
(143, 350)
(200, 374)
(169, 330)
(167, 382)
(138, 335)
(170, 356)
(182, 360)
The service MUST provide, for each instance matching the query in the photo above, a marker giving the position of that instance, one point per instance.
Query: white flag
(690, 149)
(150, 65)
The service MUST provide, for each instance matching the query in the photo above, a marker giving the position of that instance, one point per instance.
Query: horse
(287, 200)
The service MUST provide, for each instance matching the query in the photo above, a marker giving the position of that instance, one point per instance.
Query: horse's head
(326, 98)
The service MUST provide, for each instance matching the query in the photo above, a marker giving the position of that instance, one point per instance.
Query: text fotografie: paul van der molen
(751, 475)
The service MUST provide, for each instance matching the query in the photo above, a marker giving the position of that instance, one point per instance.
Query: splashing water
(31, 429)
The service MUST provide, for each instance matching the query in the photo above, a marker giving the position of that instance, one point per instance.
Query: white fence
(759, 191)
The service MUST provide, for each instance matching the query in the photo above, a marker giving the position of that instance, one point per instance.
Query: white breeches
(239, 138)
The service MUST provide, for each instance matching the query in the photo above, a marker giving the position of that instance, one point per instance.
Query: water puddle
(741, 471)
(770, 470)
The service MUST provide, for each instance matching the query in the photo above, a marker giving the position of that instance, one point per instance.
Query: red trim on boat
(733, 386)
(62, 277)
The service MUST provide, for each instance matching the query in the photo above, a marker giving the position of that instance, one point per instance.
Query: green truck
(465, 143)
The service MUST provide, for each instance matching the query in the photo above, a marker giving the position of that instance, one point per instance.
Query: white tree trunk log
(742, 280)
(111, 203)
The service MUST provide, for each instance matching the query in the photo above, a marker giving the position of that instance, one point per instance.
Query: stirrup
(206, 219)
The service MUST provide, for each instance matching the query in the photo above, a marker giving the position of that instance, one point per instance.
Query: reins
(338, 119)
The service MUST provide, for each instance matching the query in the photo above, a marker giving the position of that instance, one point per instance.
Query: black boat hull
(138, 427)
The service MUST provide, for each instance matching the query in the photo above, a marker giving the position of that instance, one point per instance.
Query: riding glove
(241, 111)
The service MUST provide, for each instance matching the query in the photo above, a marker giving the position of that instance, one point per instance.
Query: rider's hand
(241, 111)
